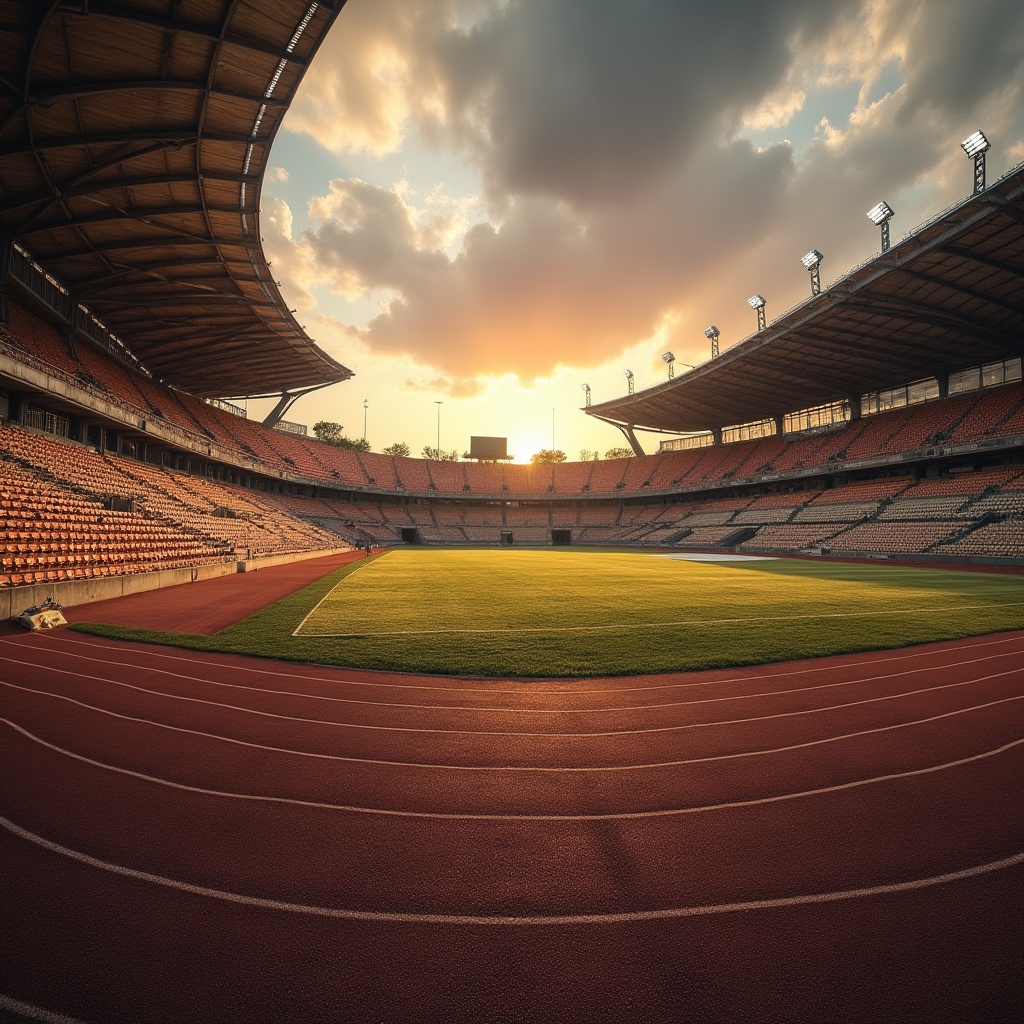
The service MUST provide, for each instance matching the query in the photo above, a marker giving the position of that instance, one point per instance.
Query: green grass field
(579, 612)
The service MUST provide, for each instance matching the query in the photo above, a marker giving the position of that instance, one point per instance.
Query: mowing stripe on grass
(654, 625)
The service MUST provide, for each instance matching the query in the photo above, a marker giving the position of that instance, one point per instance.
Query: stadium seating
(910, 507)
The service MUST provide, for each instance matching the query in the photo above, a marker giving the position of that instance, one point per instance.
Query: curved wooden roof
(947, 297)
(134, 137)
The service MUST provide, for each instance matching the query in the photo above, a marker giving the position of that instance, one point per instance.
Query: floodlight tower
(670, 360)
(976, 146)
(629, 381)
(586, 392)
(812, 261)
(881, 215)
(757, 302)
(712, 333)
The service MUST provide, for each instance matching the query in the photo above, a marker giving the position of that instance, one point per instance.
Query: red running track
(211, 838)
(208, 606)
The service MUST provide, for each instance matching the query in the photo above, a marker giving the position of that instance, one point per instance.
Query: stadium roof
(134, 137)
(949, 296)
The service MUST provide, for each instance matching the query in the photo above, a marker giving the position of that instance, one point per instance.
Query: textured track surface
(210, 838)
(208, 606)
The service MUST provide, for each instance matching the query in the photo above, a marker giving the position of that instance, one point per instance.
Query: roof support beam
(982, 296)
(54, 94)
(200, 298)
(175, 137)
(124, 245)
(114, 11)
(76, 188)
(920, 312)
(287, 400)
(894, 348)
(115, 215)
(984, 261)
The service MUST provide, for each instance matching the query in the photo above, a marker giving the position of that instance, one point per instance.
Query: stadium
(726, 731)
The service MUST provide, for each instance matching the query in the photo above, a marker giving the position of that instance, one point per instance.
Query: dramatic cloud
(637, 179)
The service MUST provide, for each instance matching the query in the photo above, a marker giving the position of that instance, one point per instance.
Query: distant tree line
(334, 433)
(592, 454)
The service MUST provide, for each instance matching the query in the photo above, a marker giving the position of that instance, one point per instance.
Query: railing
(287, 427)
(235, 410)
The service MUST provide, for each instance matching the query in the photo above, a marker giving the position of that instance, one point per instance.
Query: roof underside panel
(133, 144)
(948, 297)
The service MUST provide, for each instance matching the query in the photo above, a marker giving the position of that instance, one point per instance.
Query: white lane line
(511, 768)
(29, 1012)
(526, 711)
(452, 816)
(572, 687)
(684, 623)
(395, 917)
(363, 727)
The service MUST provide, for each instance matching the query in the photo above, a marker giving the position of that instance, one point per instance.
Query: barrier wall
(14, 600)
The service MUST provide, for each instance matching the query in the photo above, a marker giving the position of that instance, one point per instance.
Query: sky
(489, 203)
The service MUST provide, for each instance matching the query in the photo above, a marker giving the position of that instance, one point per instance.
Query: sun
(523, 444)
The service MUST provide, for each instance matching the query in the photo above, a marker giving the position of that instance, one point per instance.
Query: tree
(589, 455)
(440, 456)
(331, 433)
(327, 431)
(547, 455)
(398, 448)
(360, 444)
(619, 453)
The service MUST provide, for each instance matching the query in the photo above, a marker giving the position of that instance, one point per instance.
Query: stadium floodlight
(586, 392)
(812, 261)
(670, 359)
(880, 215)
(757, 302)
(629, 381)
(711, 332)
(976, 146)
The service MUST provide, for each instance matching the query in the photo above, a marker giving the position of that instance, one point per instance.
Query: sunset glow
(455, 224)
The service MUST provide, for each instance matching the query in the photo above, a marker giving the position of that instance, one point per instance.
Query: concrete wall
(14, 600)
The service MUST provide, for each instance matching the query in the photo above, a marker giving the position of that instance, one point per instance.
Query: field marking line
(347, 576)
(364, 727)
(693, 623)
(511, 768)
(814, 665)
(398, 917)
(30, 1012)
(454, 816)
(520, 710)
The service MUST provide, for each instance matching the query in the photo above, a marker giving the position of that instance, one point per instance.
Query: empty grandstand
(882, 417)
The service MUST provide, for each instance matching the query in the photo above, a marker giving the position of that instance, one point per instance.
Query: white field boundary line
(347, 759)
(520, 710)
(691, 623)
(455, 816)
(347, 577)
(572, 688)
(364, 727)
(30, 1012)
(398, 917)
